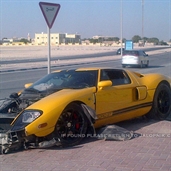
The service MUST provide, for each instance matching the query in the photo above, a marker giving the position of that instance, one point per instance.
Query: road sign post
(49, 51)
(50, 11)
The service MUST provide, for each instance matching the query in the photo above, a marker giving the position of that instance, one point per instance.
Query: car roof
(88, 69)
(134, 50)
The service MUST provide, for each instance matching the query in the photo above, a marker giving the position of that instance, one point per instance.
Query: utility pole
(142, 18)
(121, 27)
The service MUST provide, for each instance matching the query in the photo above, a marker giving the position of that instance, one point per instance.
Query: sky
(88, 18)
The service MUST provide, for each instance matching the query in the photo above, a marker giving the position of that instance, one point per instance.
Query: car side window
(118, 77)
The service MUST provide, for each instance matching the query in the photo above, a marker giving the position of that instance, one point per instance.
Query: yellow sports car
(64, 106)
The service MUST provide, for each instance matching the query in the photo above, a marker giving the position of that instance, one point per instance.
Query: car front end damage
(11, 141)
(14, 120)
(18, 135)
(19, 140)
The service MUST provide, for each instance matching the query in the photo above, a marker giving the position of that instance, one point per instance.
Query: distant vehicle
(135, 58)
(118, 52)
(141, 43)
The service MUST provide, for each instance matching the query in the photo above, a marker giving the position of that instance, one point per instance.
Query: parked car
(62, 107)
(118, 52)
(135, 58)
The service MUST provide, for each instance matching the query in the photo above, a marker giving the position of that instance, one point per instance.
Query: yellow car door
(116, 94)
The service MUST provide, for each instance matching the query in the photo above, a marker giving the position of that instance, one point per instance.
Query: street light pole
(142, 19)
(121, 27)
(49, 51)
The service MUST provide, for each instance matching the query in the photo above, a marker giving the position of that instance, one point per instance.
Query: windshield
(65, 79)
(127, 52)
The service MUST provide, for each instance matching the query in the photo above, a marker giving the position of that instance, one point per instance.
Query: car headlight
(30, 115)
(25, 118)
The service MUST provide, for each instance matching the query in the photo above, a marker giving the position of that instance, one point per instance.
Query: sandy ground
(11, 52)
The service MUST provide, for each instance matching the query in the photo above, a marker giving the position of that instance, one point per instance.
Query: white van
(135, 58)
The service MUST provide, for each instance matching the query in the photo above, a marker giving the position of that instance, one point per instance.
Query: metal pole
(142, 19)
(49, 54)
(170, 21)
(121, 27)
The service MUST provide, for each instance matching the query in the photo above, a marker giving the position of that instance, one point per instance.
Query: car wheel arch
(86, 108)
(89, 113)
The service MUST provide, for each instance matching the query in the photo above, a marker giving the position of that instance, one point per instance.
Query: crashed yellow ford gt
(62, 107)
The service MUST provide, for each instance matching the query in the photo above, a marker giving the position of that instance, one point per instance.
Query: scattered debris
(113, 132)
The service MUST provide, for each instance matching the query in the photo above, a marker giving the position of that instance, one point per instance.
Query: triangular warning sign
(49, 11)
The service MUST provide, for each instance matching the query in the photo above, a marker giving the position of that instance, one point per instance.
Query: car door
(116, 97)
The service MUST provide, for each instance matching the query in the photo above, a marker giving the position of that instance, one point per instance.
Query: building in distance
(57, 38)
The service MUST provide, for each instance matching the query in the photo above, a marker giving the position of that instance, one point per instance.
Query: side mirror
(103, 84)
(28, 85)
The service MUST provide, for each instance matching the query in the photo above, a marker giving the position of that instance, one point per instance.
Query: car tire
(161, 106)
(71, 126)
(147, 64)
(141, 65)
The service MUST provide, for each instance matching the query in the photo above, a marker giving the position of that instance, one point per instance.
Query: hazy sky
(88, 18)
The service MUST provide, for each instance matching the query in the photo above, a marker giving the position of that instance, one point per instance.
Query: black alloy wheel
(163, 101)
(71, 126)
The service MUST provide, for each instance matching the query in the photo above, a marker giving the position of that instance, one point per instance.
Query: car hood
(64, 97)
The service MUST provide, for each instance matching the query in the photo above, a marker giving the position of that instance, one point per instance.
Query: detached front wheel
(162, 103)
(71, 126)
